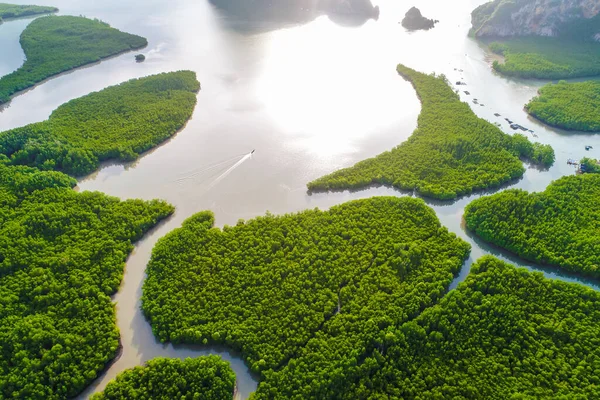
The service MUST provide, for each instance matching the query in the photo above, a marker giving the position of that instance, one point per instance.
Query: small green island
(8, 11)
(570, 106)
(547, 58)
(557, 227)
(62, 255)
(56, 44)
(452, 153)
(504, 333)
(312, 291)
(202, 378)
(117, 123)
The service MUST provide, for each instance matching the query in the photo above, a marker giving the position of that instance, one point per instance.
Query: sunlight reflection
(313, 85)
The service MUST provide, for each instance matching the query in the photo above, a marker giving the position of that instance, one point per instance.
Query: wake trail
(191, 174)
(229, 171)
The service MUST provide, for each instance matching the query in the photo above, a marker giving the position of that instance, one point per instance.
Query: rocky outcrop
(506, 18)
(296, 11)
(414, 20)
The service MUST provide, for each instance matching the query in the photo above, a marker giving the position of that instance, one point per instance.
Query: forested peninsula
(62, 255)
(117, 123)
(56, 44)
(314, 291)
(504, 333)
(202, 378)
(557, 227)
(452, 152)
(571, 106)
(351, 303)
(17, 11)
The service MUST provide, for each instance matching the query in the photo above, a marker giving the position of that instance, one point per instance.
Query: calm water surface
(309, 98)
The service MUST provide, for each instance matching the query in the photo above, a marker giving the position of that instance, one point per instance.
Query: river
(309, 98)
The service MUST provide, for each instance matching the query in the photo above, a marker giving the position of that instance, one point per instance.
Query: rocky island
(414, 20)
(295, 11)
(504, 18)
(543, 39)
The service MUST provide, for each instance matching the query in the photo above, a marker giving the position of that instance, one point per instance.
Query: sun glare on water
(314, 83)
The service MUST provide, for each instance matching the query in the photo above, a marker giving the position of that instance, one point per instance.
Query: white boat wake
(229, 171)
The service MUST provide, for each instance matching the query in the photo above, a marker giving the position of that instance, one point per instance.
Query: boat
(253, 151)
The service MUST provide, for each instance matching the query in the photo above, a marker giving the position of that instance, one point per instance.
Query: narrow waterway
(309, 99)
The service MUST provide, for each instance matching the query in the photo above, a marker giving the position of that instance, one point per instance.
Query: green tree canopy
(452, 152)
(504, 333)
(61, 256)
(202, 378)
(119, 122)
(315, 291)
(17, 11)
(558, 227)
(56, 44)
(572, 106)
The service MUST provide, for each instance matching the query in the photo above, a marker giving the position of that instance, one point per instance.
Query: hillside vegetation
(572, 106)
(547, 58)
(56, 44)
(62, 255)
(452, 152)
(558, 227)
(504, 333)
(318, 288)
(202, 378)
(18, 11)
(119, 122)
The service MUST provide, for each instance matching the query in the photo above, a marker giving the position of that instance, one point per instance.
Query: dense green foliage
(61, 255)
(589, 165)
(574, 106)
(56, 44)
(452, 152)
(17, 11)
(202, 378)
(505, 333)
(559, 227)
(547, 58)
(315, 287)
(119, 122)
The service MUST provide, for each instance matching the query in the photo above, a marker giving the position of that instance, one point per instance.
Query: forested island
(62, 255)
(56, 44)
(544, 39)
(202, 378)
(571, 106)
(504, 333)
(557, 227)
(452, 152)
(312, 290)
(117, 123)
(17, 11)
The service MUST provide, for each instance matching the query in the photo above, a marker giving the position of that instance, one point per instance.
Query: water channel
(309, 98)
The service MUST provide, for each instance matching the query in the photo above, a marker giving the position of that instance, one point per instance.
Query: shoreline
(3, 104)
